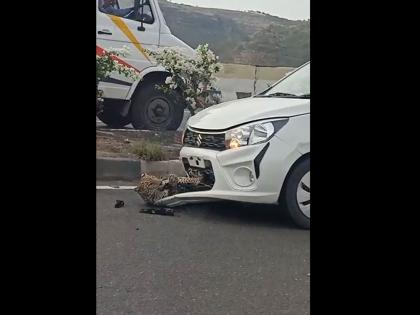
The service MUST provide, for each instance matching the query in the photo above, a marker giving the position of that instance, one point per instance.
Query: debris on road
(119, 204)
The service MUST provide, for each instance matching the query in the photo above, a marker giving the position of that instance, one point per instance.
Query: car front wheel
(297, 194)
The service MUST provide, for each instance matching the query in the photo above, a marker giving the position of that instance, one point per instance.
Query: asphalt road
(221, 258)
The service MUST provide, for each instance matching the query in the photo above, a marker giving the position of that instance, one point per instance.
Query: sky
(289, 9)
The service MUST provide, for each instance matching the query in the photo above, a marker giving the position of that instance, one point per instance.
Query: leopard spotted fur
(152, 188)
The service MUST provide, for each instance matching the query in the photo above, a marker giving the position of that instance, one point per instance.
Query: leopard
(152, 188)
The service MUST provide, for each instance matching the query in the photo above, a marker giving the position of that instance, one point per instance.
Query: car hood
(237, 112)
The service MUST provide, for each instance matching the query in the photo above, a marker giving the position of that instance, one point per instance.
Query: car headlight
(252, 133)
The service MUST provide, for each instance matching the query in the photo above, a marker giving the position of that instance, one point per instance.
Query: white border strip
(115, 187)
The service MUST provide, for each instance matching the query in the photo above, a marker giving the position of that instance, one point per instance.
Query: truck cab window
(137, 10)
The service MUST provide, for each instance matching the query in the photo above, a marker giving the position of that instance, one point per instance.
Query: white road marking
(115, 187)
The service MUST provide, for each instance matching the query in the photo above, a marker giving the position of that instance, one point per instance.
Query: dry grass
(149, 151)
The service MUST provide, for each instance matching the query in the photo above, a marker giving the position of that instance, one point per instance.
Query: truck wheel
(155, 110)
(111, 116)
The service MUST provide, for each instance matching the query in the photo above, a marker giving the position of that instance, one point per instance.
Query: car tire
(296, 194)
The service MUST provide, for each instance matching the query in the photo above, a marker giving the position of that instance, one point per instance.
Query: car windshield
(296, 85)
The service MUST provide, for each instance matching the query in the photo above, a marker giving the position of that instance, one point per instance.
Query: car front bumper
(239, 174)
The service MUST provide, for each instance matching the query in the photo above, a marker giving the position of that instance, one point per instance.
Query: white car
(255, 149)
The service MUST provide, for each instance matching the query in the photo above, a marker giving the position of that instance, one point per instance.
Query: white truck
(138, 24)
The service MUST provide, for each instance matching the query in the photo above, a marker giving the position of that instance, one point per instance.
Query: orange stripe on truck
(124, 28)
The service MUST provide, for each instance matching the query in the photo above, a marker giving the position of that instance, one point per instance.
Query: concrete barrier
(129, 169)
(236, 81)
(117, 168)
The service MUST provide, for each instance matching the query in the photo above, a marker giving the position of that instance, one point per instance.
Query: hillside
(241, 37)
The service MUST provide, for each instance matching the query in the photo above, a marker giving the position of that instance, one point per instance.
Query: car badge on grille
(198, 140)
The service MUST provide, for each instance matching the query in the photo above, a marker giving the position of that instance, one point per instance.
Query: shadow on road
(239, 213)
(223, 212)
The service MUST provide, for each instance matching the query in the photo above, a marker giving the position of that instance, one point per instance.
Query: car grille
(207, 173)
(204, 140)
